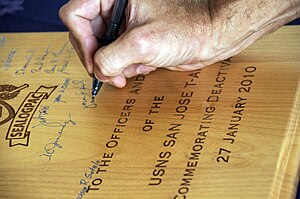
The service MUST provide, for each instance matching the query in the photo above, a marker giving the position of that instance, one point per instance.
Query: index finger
(82, 18)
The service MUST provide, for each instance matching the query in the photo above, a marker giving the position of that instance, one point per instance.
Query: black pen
(111, 34)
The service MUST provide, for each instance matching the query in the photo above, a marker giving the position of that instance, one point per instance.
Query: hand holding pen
(174, 34)
(111, 34)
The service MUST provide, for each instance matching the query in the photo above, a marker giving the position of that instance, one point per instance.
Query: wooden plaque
(230, 130)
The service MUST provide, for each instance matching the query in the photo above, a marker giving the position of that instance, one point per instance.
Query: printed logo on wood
(18, 133)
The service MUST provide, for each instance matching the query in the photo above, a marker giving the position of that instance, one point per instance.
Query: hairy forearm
(244, 21)
(176, 34)
(254, 13)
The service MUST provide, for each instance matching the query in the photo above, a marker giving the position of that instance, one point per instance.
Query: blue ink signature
(87, 177)
(11, 54)
(28, 57)
(63, 88)
(83, 92)
(2, 41)
(54, 144)
(42, 117)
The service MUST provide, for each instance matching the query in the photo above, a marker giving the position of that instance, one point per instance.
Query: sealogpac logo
(18, 133)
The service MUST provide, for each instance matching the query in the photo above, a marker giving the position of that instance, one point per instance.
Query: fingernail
(144, 69)
(100, 77)
(118, 81)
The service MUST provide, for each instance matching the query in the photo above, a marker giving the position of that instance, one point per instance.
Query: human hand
(174, 34)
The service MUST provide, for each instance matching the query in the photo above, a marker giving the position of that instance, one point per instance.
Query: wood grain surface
(230, 130)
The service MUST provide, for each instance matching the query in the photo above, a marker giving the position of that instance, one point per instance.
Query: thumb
(132, 47)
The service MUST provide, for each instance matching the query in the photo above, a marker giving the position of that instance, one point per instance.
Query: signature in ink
(11, 54)
(58, 99)
(55, 68)
(65, 85)
(56, 54)
(28, 57)
(87, 177)
(42, 118)
(79, 84)
(64, 67)
(45, 54)
(38, 68)
(3, 41)
(63, 88)
(54, 144)
(51, 71)
(39, 64)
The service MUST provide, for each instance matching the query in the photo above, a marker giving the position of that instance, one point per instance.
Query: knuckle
(142, 41)
(62, 13)
(104, 64)
(65, 15)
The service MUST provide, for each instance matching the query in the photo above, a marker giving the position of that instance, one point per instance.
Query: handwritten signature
(40, 59)
(51, 71)
(87, 177)
(2, 41)
(28, 57)
(11, 54)
(42, 116)
(80, 84)
(56, 54)
(43, 120)
(54, 144)
(45, 54)
(64, 67)
(63, 88)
